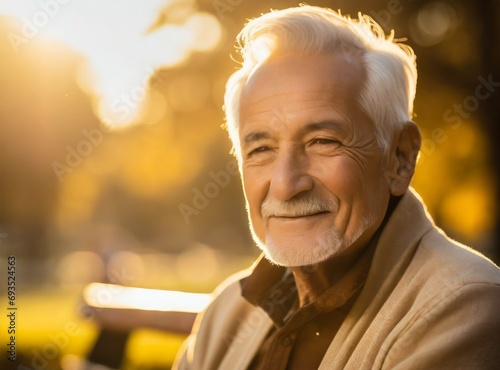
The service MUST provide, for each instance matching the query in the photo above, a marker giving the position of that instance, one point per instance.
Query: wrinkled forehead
(279, 76)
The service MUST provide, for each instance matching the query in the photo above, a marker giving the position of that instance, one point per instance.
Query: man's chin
(295, 256)
(274, 260)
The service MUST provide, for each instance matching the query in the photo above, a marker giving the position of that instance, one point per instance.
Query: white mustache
(296, 207)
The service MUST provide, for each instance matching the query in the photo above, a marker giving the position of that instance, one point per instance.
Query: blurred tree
(41, 111)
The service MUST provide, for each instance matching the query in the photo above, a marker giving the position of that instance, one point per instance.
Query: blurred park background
(114, 166)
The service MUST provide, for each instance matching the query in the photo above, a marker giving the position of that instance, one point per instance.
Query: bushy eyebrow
(255, 136)
(323, 125)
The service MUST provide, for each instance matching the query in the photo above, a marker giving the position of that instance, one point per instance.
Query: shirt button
(287, 341)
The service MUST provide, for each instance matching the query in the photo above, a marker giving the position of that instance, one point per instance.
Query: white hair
(391, 75)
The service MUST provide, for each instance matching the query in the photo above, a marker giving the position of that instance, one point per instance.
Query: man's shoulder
(447, 299)
(429, 253)
(443, 272)
(441, 256)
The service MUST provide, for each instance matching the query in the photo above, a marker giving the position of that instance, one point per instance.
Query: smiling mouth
(300, 216)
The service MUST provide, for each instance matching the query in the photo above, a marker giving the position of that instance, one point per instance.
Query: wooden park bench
(119, 310)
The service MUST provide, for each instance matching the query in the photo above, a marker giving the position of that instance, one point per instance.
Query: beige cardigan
(428, 303)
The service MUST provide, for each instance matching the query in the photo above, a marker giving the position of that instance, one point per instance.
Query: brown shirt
(300, 336)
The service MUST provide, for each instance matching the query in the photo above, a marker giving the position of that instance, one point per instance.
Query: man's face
(311, 167)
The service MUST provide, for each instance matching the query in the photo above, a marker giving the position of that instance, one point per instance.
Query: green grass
(48, 329)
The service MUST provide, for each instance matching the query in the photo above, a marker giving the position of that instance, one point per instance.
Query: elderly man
(354, 273)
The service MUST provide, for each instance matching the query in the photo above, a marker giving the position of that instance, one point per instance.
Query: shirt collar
(270, 287)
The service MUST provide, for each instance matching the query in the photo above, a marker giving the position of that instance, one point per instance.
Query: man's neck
(314, 280)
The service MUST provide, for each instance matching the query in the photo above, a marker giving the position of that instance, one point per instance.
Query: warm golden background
(114, 167)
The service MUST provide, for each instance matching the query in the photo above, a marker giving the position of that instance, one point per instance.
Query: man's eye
(323, 141)
(260, 149)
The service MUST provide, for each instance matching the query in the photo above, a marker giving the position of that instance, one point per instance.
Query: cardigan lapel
(394, 251)
(247, 340)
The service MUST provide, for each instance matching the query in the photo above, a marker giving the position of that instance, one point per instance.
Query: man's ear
(403, 158)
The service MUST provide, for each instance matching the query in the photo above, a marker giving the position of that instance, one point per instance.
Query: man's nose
(290, 175)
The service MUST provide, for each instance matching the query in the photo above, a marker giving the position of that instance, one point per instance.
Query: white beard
(325, 246)
(318, 251)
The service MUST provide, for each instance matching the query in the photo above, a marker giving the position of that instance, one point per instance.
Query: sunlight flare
(123, 43)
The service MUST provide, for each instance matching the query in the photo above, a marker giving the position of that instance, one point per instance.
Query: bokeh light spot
(433, 23)
(80, 268)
